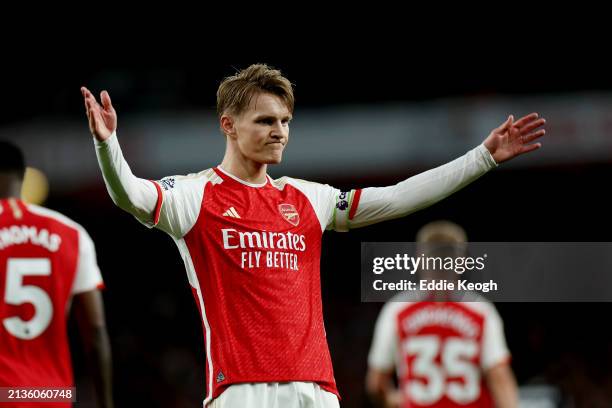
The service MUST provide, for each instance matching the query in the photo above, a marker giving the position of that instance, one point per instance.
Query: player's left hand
(512, 139)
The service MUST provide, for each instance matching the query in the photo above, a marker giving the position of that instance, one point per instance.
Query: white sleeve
(494, 348)
(377, 204)
(130, 193)
(179, 204)
(171, 204)
(87, 275)
(332, 206)
(384, 344)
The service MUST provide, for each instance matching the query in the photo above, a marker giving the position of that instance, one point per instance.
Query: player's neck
(9, 187)
(245, 170)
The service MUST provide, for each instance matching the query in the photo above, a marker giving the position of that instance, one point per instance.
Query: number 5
(17, 294)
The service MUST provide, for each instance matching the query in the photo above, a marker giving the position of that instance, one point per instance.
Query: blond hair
(235, 92)
(441, 233)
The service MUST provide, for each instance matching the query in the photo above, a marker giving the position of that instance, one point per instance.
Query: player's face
(262, 130)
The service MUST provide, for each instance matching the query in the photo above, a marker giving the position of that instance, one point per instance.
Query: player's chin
(274, 158)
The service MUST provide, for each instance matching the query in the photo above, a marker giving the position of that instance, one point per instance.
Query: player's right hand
(102, 118)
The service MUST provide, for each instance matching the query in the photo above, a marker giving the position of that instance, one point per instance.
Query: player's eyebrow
(273, 117)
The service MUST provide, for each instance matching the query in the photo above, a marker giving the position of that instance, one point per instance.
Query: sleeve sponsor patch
(167, 183)
(342, 202)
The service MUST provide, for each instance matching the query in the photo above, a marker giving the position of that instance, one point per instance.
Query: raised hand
(512, 139)
(102, 118)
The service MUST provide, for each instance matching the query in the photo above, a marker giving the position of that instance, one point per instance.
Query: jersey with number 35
(440, 351)
(45, 259)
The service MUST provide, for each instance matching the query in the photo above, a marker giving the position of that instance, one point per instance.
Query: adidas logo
(231, 212)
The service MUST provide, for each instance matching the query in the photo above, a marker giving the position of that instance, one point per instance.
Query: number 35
(455, 362)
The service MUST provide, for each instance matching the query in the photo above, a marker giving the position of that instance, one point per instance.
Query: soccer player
(47, 262)
(446, 353)
(252, 245)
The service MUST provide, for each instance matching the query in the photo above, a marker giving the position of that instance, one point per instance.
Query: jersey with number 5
(440, 350)
(45, 258)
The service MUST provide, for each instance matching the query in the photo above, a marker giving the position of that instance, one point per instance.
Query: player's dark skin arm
(89, 312)
(380, 388)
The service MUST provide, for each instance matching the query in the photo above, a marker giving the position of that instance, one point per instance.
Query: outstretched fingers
(530, 147)
(90, 118)
(530, 137)
(89, 98)
(526, 120)
(106, 101)
(506, 125)
(533, 125)
(92, 109)
(85, 99)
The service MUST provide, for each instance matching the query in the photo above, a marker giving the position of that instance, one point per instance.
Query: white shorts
(275, 395)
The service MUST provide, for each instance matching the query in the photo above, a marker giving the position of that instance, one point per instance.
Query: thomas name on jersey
(23, 234)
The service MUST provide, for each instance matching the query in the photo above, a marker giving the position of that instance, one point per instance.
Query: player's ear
(228, 125)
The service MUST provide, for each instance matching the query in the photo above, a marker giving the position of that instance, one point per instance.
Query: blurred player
(446, 354)
(47, 261)
(252, 245)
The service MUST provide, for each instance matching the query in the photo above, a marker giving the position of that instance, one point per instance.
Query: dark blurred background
(365, 116)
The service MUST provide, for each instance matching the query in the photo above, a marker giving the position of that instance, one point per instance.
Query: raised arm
(137, 196)
(509, 140)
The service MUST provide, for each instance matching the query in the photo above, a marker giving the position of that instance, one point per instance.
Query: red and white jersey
(440, 350)
(252, 254)
(45, 258)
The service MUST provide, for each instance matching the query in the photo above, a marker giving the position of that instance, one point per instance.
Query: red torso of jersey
(440, 349)
(38, 263)
(255, 253)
